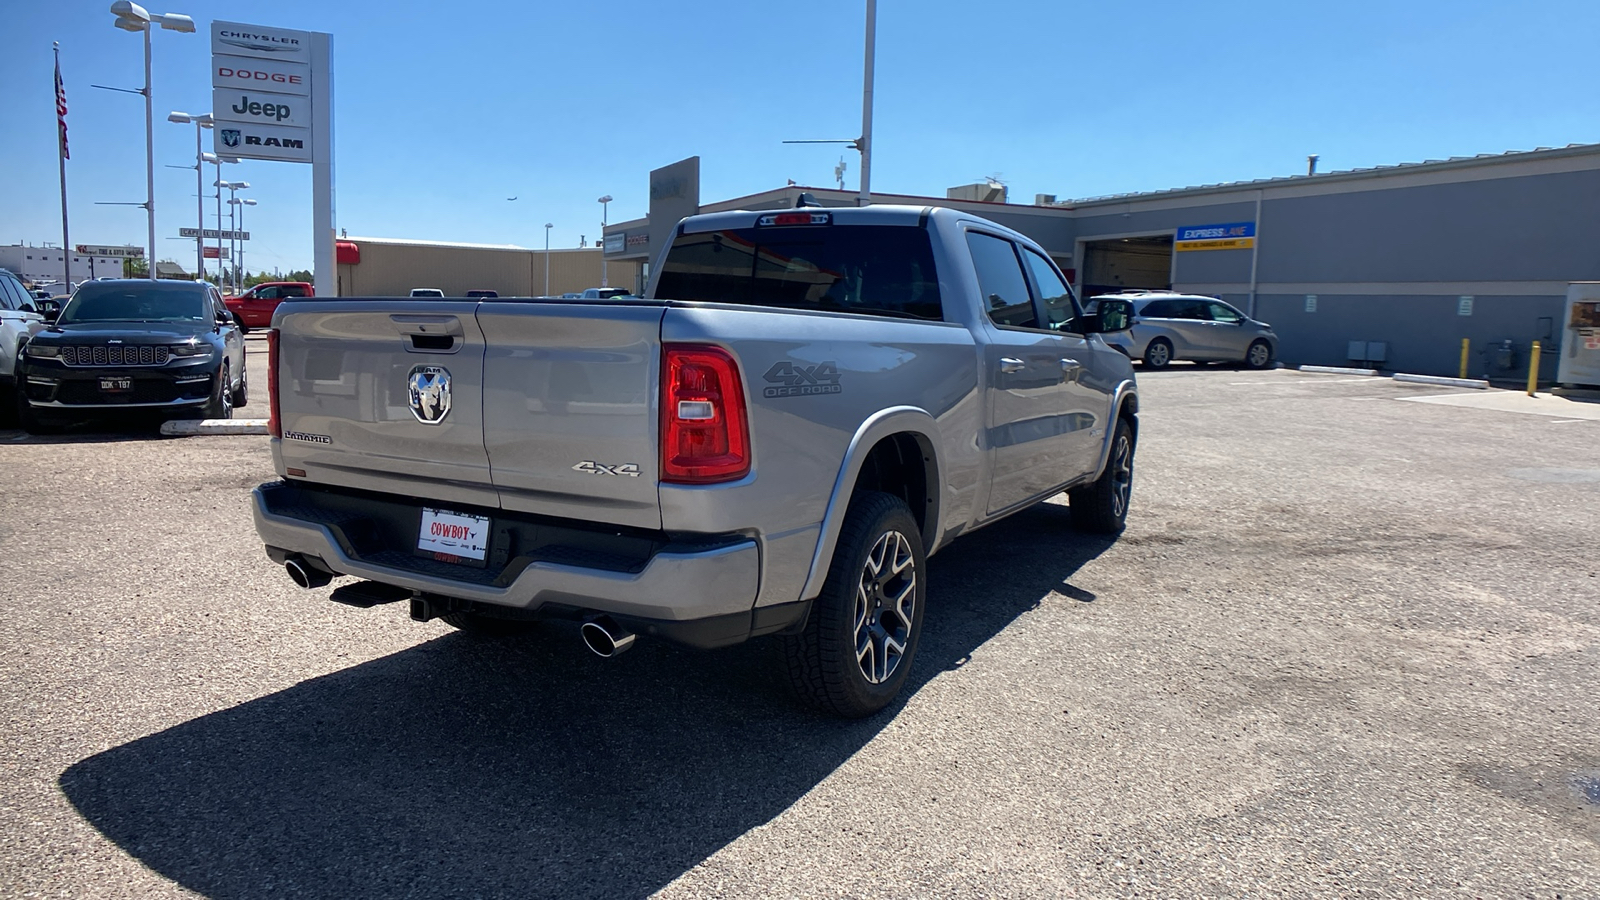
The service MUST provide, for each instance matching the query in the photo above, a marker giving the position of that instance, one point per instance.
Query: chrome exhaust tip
(605, 637)
(305, 574)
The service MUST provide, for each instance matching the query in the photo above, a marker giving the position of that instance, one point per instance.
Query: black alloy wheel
(858, 644)
(1102, 506)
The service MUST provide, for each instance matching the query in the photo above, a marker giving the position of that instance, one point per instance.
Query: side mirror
(1110, 316)
(51, 314)
(27, 307)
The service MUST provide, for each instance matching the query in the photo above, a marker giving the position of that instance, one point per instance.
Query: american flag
(61, 109)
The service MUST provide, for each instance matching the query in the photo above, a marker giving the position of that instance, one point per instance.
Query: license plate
(453, 534)
(116, 384)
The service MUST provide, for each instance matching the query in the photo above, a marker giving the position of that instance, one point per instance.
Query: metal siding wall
(1423, 333)
(1533, 228)
(392, 270)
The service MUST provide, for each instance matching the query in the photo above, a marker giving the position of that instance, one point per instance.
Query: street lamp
(239, 253)
(547, 227)
(201, 121)
(133, 17)
(217, 161)
(231, 187)
(603, 210)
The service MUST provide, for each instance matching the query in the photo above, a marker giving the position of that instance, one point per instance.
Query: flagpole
(61, 153)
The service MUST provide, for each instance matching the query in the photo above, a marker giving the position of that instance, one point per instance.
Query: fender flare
(1126, 389)
(882, 424)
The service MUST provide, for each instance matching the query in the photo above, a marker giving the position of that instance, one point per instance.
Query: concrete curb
(215, 426)
(1444, 381)
(1338, 370)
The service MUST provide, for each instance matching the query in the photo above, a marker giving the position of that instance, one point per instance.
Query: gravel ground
(1346, 647)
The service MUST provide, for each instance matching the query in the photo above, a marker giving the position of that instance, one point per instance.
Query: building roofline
(1344, 175)
(462, 245)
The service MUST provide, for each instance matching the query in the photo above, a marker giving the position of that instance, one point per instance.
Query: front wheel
(1102, 507)
(241, 397)
(243, 328)
(32, 422)
(220, 406)
(863, 630)
(1259, 355)
(1158, 354)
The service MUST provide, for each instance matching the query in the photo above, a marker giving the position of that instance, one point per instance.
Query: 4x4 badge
(591, 467)
(789, 379)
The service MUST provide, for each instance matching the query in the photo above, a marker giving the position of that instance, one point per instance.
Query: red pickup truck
(254, 308)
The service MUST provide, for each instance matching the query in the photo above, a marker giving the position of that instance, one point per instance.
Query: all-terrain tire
(1102, 506)
(860, 620)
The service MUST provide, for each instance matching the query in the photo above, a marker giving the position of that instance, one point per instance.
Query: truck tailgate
(385, 395)
(570, 409)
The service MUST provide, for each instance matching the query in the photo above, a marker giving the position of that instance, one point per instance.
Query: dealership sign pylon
(272, 98)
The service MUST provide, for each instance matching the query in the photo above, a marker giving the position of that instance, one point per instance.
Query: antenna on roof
(1311, 164)
(838, 172)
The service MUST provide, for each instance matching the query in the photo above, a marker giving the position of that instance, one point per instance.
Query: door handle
(1010, 364)
(1067, 365)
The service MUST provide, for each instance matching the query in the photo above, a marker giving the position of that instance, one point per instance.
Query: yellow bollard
(1533, 370)
(1465, 343)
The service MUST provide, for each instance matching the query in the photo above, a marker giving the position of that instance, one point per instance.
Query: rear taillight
(274, 421)
(705, 433)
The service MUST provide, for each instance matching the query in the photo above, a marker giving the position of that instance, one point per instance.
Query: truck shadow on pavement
(528, 768)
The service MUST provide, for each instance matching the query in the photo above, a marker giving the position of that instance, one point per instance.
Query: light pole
(133, 17)
(239, 262)
(547, 227)
(217, 161)
(201, 121)
(232, 187)
(603, 210)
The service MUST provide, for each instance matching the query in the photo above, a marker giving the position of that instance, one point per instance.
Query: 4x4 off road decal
(790, 379)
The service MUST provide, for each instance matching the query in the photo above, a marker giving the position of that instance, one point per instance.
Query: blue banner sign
(1227, 236)
(1212, 232)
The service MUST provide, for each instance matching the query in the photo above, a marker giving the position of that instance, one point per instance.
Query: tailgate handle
(433, 343)
(430, 333)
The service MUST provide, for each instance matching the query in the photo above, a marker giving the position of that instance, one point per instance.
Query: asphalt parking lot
(1348, 646)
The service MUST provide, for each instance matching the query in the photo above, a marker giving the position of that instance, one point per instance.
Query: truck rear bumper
(673, 585)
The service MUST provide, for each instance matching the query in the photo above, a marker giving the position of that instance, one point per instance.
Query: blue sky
(443, 110)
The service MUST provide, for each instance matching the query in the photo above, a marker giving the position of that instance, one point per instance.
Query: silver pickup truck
(806, 404)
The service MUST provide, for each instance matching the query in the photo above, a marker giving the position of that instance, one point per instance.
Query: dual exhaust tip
(600, 634)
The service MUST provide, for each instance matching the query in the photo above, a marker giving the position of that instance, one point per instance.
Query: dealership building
(1390, 266)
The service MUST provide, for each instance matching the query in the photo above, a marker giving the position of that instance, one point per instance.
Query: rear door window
(882, 270)
(1001, 283)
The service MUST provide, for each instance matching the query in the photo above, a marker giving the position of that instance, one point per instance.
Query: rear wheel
(1259, 355)
(1158, 354)
(856, 650)
(1102, 507)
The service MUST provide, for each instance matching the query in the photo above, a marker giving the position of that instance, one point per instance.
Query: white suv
(18, 323)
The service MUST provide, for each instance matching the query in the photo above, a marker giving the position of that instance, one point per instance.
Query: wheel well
(1129, 410)
(903, 465)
